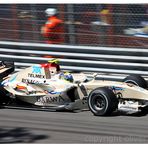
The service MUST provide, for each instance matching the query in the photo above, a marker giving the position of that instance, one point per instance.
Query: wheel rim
(99, 102)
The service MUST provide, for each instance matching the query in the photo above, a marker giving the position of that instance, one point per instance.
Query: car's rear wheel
(102, 101)
(136, 80)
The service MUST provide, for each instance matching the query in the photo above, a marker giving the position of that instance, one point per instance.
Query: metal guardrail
(111, 63)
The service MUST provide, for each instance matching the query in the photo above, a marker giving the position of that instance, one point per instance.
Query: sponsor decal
(30, 81)
(52, 92)
(36, 69)
(50, 99)
(117, 88)
(39, 79)
(129, 108)
(36, 76)
(5, 82)
(20, 87)
(13, 78)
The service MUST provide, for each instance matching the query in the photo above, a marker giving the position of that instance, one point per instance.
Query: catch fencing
(84, 24)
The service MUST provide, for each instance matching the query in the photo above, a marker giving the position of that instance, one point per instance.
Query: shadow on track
(138, 114)
(18, 135)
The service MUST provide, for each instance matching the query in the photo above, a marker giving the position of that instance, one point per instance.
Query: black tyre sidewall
(109, 98)
(137, 80)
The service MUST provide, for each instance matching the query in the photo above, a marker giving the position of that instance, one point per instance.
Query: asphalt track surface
(25, 126)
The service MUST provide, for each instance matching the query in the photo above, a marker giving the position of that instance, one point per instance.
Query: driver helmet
(66, 76)
(52, 66)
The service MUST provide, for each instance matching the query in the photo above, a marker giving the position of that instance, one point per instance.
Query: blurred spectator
(101, 25)
(140, 28)
(104, 18)
(52, 31)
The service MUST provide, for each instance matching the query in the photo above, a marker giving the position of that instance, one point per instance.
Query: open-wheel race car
(46, 86)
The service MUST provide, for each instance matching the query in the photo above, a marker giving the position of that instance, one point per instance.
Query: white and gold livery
(45, 85)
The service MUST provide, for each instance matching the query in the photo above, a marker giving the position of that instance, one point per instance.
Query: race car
(46, 86)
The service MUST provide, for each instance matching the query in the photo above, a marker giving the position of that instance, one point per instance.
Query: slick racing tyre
(136, 80)
(102, 101)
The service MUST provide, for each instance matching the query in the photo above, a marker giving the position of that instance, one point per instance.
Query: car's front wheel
(102, 101)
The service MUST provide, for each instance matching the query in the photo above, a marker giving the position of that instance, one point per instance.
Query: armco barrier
(112, 63)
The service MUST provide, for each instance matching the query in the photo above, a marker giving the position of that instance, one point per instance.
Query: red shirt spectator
(53, 28)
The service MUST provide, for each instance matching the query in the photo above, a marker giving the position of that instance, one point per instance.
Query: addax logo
(36, 69)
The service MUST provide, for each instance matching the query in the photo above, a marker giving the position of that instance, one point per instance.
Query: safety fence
(108, 25)
(110, 63)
